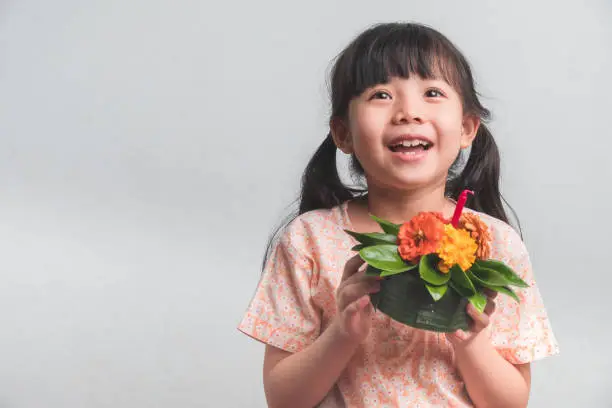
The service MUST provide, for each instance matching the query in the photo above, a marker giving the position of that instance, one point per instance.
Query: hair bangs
(403, 52)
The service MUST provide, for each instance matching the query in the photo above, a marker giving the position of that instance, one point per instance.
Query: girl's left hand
(480, 321)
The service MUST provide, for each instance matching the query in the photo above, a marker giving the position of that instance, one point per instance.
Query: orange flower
(420, 236)
(457, 247)
(479, 231)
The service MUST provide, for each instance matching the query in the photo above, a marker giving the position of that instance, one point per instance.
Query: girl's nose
(407, 114)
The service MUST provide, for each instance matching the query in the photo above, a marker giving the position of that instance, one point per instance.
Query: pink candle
(459, 208)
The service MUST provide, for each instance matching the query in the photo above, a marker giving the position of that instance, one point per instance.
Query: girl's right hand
(352, 298)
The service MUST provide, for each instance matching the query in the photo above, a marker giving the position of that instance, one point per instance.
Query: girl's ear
(469, 128)
(341, 135)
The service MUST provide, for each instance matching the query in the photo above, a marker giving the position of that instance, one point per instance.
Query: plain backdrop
(148, 148)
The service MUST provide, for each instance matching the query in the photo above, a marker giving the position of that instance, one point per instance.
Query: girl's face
(406, 133)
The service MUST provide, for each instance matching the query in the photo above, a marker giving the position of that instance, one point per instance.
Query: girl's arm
(303, 379)
(491, 381)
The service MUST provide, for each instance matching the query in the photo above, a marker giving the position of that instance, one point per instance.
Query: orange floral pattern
(420, 236)
(396, 366)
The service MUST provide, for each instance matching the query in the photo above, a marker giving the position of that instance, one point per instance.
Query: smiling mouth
(410, 146)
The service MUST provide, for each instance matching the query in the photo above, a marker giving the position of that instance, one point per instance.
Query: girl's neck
(398, 207)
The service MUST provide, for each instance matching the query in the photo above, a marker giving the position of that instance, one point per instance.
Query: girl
(404, 107)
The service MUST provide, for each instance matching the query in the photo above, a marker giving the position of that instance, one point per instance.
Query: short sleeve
(282, 313)
(521, 332)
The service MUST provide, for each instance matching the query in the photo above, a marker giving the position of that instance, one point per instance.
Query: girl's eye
(381, 95)
(434, 93)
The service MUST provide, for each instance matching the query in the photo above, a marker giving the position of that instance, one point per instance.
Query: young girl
(405, 108)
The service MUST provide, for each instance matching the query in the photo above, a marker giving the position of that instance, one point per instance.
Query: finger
(489, 308)
(360, 276)
(351, 292)
(357, 313)
(356, 306)
(458, 335)
(369, 309)
(352, 266)
(480, 320)
(363, 286)
(491, 294)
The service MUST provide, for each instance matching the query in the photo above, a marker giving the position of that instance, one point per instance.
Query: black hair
(400, 50)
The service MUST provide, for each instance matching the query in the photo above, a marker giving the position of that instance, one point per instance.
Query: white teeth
(413, 143)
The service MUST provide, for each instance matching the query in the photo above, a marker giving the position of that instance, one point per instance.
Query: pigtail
(482, 175)
(321, 184)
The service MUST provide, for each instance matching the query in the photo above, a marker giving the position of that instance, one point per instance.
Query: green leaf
(358, 248)
(431, 275)
(463, 284)
(436, 292)
(479, 301)
(487, 277)
(388, 227)
(372, 271)
(504, 270)
(373, 238)
(461, 291)
(385, 258)
(384, 274)
(506, 291)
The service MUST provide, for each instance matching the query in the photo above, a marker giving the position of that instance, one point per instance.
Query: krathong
(431, 267)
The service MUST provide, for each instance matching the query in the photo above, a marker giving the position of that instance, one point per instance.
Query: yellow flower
(457, 247)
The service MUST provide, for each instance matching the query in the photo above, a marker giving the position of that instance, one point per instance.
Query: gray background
(148, 148)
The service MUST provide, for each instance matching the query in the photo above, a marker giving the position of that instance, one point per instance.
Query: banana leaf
(405, 299)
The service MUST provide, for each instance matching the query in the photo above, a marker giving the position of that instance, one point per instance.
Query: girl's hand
(480, 321)
(354, 317)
